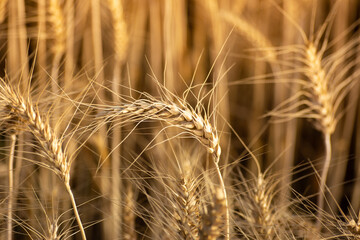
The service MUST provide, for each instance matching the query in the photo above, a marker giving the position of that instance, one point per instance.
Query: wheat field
(180, 119)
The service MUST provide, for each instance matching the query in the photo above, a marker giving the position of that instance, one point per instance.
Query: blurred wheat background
(179, 119)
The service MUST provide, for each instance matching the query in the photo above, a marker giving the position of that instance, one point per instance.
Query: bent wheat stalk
(177, 115)
(57, 160)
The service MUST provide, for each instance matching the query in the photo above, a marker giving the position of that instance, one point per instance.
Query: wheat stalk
(57, 159)
(354, 228)
(11, 185)
(120, 41)
(321, 93)
(30, 116)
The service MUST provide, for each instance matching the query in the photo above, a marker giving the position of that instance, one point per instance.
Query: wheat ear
(323, 99)
(187, 208)
(212, 220)
(181, 116)
(57, 159)
(262, 213)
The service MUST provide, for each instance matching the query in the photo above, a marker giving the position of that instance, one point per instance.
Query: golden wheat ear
(326, 80)
(257, 215)
(18, 107)
(175, 191)
(178, 115)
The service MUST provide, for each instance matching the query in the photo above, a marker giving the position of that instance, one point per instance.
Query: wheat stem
(11, 186)
(325, 171)
(226, 202)
(77, 216)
